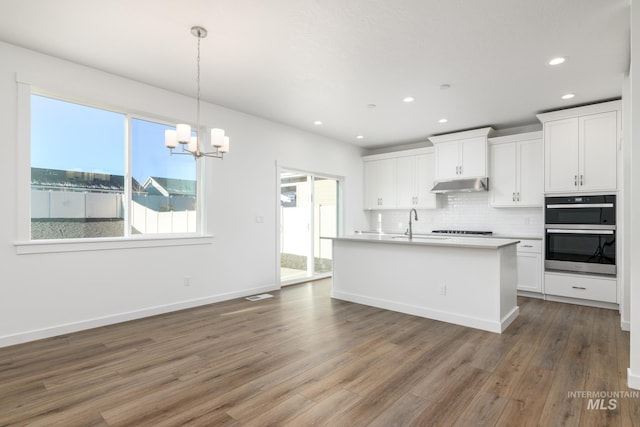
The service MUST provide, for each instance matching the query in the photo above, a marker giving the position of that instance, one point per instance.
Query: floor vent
(259, 297)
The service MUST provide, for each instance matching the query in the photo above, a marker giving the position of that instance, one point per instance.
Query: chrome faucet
(415, 217)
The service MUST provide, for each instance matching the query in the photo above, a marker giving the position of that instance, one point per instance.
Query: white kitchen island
(468, 281)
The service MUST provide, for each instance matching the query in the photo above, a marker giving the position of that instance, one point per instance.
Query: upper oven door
(583, 210)
(581, 250)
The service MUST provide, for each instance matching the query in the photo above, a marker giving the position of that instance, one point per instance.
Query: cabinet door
(379, 182)
(598, 152)
(561, 155)
(406, 178)
(473, 157)
(530, 190)
(447, 160)
(425, 176)
(387, 183)
(502, 180)
(371, 199)
(529, 272)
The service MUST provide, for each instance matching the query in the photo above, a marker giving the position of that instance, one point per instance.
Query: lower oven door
(581, 250)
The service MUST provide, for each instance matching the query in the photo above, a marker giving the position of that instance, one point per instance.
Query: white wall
(633, 197)
(47, 294)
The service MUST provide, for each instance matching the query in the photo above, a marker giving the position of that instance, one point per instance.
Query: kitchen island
(468, 281)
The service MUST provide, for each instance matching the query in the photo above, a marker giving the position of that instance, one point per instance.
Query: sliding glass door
(308, 220)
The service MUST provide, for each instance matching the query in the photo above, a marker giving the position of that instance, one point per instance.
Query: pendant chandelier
(181, 135)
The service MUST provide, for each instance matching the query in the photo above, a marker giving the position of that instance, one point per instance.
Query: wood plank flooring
(302, 359)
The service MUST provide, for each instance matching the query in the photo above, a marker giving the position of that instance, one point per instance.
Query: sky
(70, 136)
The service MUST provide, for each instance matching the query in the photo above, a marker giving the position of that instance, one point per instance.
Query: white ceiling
(297, 61)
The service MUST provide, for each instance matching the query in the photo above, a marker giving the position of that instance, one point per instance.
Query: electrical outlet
(187, 281)
(443, 289)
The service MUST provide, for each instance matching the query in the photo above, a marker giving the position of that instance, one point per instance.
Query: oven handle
(568, 231)
(585, 206)
(581, 226)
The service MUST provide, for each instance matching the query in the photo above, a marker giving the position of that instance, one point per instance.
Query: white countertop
(432, 240)
(478, 236)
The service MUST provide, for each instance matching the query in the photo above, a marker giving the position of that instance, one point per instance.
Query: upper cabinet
(400, 180)
(461, 154)
(581, 148)
(516, 170)
(414, 180)
(380, 184)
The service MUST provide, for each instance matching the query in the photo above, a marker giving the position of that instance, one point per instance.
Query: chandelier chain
(198, 100)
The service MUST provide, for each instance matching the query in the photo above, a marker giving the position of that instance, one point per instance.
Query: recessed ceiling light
(443, 120)
(359, 137)
(568, 96)
(557, 61)
(317, 123)
(408, 99)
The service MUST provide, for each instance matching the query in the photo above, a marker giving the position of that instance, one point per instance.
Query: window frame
(24, 244)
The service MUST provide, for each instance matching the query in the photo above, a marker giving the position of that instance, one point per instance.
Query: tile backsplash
(462, 211)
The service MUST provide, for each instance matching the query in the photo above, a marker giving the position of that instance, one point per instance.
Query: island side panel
(410, 279)
(508, 285)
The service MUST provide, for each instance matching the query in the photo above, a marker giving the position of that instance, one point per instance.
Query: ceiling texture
(349, 63)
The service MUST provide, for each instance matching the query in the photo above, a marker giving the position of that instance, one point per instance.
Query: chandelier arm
(179, 153)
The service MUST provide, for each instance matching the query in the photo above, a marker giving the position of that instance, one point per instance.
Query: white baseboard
(633, 380)
(429, 313)
(528, 294)
(53, 331)
(589, 303)
(625, 325)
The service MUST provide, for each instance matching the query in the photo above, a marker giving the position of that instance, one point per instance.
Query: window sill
(82, 245)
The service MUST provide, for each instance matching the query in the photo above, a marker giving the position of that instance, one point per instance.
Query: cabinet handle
(518, 196)
(527, 246)
(460, 169)
(513, 197)
(581, 179)
(579, 287)
(575, 180)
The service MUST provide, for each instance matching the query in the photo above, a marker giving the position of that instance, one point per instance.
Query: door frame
(340, 217)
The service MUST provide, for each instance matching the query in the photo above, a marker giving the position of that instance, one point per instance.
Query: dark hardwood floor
(303, 359)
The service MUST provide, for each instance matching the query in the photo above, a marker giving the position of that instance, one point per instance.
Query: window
(163, 187)
(80, 184)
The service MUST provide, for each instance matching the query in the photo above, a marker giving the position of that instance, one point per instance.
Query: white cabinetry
(414, 180)
(461, 155)
(400, 180)
(380, 183)
(516, 170)
(530, 266)
(594, 288)
(581, 148)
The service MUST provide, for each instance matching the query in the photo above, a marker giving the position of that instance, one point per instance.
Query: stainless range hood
(461, 185)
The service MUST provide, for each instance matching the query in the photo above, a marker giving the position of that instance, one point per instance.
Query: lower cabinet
(593, 288)
(530, 266)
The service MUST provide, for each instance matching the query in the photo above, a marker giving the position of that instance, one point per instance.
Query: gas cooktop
(477, 233)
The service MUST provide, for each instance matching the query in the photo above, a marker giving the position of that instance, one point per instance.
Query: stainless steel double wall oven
(580, 234)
